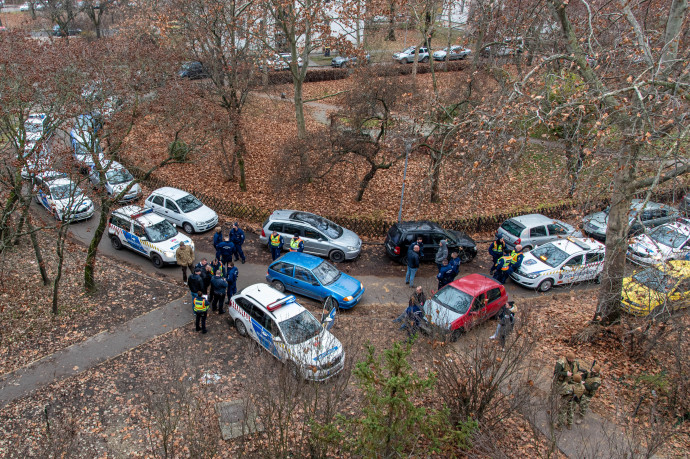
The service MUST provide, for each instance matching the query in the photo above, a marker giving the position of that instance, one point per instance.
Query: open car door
(329, 312)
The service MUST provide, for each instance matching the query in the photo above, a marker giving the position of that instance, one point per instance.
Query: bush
(179, 150)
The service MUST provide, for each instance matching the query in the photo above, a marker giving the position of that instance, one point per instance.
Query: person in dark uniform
(237, 237)
(226, 250)
(497, 248)
(231, 277)
(275, 242)
(195, 283)
(445, 274)
(219, 287)
(217, 239)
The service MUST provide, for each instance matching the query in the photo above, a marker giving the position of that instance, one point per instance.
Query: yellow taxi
(665, 284)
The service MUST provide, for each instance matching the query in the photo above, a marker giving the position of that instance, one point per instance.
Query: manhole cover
(237, 418)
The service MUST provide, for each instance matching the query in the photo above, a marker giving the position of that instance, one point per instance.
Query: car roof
(149, 219)
(170, 192)
(474, 284)
(420, 225)
(264, 294)
(533, 219)
(301, 259)
(678, 267)
(682, 226)
(636, 204)
(59, 181)
(48, 176)
(574, 245)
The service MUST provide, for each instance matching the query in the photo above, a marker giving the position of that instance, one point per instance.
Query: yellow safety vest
(294, 244)
(275, 240)
(506, 262)
(498, 247)
(200, 305)
(513, 256)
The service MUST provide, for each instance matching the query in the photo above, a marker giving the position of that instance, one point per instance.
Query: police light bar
(276, 304)
(143, 212)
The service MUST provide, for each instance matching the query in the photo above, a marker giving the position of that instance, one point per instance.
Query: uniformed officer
(517, 257)
(195, 282)
(445, 274)
(501, 269)
(237, 238)
(454, 263)
(566, 368)
(571, 394)
(497, 248)
(205, 274)
(275, 242)
(592, 383)
(214, 267)
(296, 244)
(201, 311)
(231, 277)
(226, 249)
(219, 287)
(217, 239)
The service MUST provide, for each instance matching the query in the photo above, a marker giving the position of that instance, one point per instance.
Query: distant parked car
(344, 61)
(117, 178)
(37, 160)
(181, 208)
(533, 230)
(60, 32)
(321, 236)
(314, 277)
(401, 235)
(25, 7)
(193, 71)
(85, 141)
(407, 55)
(656, 286)
(37, 127)
(281, 62)
(685, 205)
(666, 242)
(456, 53)
(653, 214)
(62, 197)
(509, 47)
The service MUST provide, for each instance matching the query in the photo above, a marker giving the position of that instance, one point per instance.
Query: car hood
(645, 244)
(462, 239)
(440, 53)
(77, 202)
(174, 242)
(116, 189)
(201, 214)
(531, 264)
(634, 292)
(339, 59)
(345, 286)
(348, 239)
(439, 315)
(598, 219)
(319, 350)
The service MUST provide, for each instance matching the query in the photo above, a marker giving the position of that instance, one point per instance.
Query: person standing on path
(205, 276)
(184, 255)
(501, 269)
(217, 239)
(414, 313)
(566, 367)
(237, 237)
(275, 242)
(219, 287)
(226, 250)
(412, 265)
(201, 311)
(195, 283)
(454, 263)
(571, 394)
(497, 248)
(231, 278)
(441, 253)
(509, 308)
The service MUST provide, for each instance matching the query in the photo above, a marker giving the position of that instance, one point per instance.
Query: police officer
(571, 394)
(184, 255)
(214, 267)
(205, 276)
(296, 244)
(566, 367)
(501, 269)
(445, 274)
(454, 263)
(226, 249)
(418, 243)
(517, 256)
(497, 248)
(275, 242)
(217, 239)
(219, 287)
(592, 383)
(195, 283)
(201, 311)
(231, 277)
(237, 238)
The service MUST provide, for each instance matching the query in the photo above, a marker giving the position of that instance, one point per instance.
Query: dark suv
(401, 235)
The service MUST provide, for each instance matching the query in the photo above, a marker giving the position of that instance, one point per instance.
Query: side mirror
(174, 225)
(143, 238)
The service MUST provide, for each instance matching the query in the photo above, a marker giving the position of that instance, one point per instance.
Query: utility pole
(408, 147)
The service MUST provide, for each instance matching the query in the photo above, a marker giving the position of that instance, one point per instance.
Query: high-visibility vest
(294, 244)
(275, 240)
(506, 262)
(498, 247)
(200, 305)
(513, 256)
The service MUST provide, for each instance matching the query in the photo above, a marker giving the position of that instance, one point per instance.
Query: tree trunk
(240, 152)
(7, 210)
(37, 252)
(435, 176)
(92, 251)
(60, 251)
(299, 108)
(373, 167)
(391, 22)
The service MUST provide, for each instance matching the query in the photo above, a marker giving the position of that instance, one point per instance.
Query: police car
(146, 233)
(663, 243)
(61, 196)
(288, 331)
(561, 262)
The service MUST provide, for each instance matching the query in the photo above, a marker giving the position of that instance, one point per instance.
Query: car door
(556, 231)
(317, 242)
(493, 302)
(135, 237)
(430, 248)
(260, 320)
(243, 306)
(571, 270)
(538, 236)
(593, 265)
(435, 243)
(304, 282)
(157, 203)
(172, 212)
(288, 231)
(282, 272)
(477, 311)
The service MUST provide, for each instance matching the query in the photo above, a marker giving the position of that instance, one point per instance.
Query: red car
(464, 303)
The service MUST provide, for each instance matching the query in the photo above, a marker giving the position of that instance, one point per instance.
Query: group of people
(576, 386)
(448, 269)
(276, 242)
(504, 261)
(230, 246)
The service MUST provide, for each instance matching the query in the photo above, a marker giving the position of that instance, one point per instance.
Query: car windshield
(513, 227)
(453, 299)
(668, 236)
(550, 254)
(161, 231)
(409, 50)
(33, 128)
(331, 229)
(188, 203)
(118, 176)
(656, 280)
(66, 191)
(326, 273)
(300, 328)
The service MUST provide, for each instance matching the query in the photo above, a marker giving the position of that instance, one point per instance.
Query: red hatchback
(464, 303)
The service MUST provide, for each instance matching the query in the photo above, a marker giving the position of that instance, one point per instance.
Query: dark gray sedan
(651, 215)
(456, 53)
(344, 61)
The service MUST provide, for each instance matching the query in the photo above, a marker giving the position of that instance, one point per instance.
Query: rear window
(512, 227)
(394, 234)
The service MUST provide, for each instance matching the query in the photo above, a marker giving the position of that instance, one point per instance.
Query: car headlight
(347, 298)
(351, 247)
(168, 254)
(529, 275)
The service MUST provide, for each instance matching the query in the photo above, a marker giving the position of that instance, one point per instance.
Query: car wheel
(343, 65)
(115, 241)
(545, 285)
(425, 60)
(337, 256)
(188, 228)
(456, 334)
(278, 286)
(157, 260)
(597, 280)
(464, 257)
(241, 329)
(527, 248)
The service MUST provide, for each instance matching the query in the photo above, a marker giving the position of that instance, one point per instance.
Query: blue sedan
(314, 277)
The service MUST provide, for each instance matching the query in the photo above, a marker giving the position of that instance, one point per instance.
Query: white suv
(183, 209)
(288, 331)
(146, 233)
(407, 55)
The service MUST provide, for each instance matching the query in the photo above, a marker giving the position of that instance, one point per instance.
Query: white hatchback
(288, 331)
(62, 197)
(666, 242)
(561, 262)
(183, 209)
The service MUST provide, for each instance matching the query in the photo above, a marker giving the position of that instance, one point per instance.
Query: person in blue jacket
(226, 249)
(497, 248)
(231, 277)
(412, 265)
(454, 263)
(445, 274)
(219, 287)
(217, 239)
(237, 238)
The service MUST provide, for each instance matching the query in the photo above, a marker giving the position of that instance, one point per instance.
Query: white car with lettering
(666, 242)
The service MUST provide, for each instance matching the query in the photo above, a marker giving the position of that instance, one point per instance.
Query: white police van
(289, 331)
(561, 262)
(146, 233)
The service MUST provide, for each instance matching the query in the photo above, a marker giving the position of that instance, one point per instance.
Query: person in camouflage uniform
(571, 395)
(565, 368)
(592, 383)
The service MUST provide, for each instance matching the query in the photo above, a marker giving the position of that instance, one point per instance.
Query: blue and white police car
(61, 196)
(289, 331)
(144, 232)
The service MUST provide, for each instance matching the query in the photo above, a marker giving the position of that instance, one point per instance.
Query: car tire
(337, 256)
(188, 228)
(157, 260)
(343, 65)
(456, 334)
(425, 60)
(597, 280)
(545, 285)
(116, 243)
(241, 329)
(527, 248)
(278, 286)
(464, 257)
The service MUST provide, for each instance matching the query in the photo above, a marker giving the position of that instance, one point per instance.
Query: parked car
(314, 277)
(463, 304)
(117, 178)
(665, 284)
(183, 209)
(60, 32)
(456, 53)
(509, 47)
(62, 197)
(653, 214)
(533, 230)
(281, 62)
(401, 235)
(407, 55)
(321, 236)
(685, 205)
(193, 70)
(37, 159)
(37, 127)
(25, 6)
(85, 141)
(666, 242)
(146, 233)
(345, 61)
(561, 262)
(288, 331)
